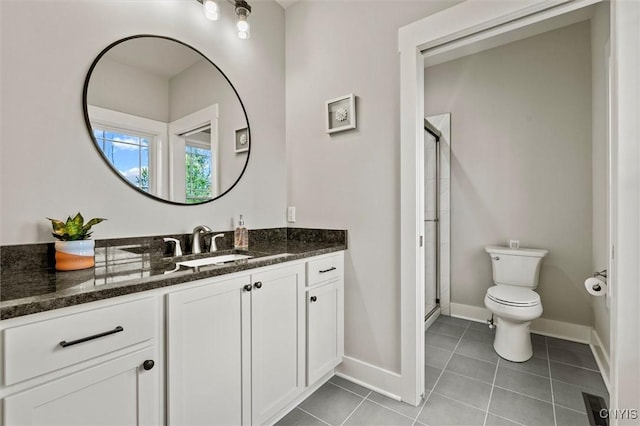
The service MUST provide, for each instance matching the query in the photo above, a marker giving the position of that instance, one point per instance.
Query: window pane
(143, 180)
(198, 174)
(129, 154)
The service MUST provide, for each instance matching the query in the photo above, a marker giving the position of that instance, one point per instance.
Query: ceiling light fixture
(243, 10)
(211, 10)
(242, 24)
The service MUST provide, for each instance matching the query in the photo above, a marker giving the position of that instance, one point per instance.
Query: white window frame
(103, 117)
(177, 130)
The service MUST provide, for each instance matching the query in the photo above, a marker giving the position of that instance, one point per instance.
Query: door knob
(258, 284)
(148, 364)
(314, 298)
(247, 287)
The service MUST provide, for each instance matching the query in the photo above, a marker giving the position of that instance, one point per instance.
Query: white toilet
(512, 300)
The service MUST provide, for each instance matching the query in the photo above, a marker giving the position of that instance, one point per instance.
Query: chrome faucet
(214, 247)
(195, 241)
(177, 250)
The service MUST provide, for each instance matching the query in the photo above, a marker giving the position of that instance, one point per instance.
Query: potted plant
(74, 249)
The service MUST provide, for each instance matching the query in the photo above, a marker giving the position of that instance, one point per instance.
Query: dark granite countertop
(127, 266)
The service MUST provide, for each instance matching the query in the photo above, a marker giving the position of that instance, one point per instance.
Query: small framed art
(341, 113)
(242, 140)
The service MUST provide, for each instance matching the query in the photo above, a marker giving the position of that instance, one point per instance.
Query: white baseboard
(371, 377)
(303, 395)
(562, 330)
(547, 327)
(470, 312)
(432, 319)
(601, 356)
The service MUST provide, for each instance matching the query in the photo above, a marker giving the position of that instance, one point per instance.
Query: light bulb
(243, 27)
(211, 10)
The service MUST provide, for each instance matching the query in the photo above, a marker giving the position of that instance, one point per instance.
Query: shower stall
(432, 180)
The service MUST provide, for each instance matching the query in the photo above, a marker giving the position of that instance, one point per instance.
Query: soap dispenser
(241, 236)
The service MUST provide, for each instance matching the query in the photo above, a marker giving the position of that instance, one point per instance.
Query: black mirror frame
(103, 156)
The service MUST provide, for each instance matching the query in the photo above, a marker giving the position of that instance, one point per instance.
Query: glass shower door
(431, 225)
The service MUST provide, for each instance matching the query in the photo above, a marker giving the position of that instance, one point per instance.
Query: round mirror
(166, 120)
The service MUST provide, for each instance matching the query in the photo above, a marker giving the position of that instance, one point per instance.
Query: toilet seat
(513, 296)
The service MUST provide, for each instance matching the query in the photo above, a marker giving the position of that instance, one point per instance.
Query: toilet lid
(513, 296)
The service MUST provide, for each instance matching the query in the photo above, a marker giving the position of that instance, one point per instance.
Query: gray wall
(130, 90)
(200, 86)
(599, 39)
(521, 163)
(352, 180)
(48, 164)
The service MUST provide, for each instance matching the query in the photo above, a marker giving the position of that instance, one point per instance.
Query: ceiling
(286, 3)
(162, 57)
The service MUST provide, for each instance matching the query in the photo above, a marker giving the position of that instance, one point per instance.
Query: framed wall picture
(242, 140)
(341, 113)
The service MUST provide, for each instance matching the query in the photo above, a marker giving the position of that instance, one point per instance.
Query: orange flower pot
(75, 255)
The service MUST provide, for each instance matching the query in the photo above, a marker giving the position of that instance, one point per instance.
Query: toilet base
(513, 340)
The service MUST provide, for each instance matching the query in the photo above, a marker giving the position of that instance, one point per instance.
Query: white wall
(521, 163)
(351, 180)
(600, 256)
(201, 86)
(123, 88)
(48, 164)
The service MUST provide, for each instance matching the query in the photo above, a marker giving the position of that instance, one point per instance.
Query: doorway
(468, 26)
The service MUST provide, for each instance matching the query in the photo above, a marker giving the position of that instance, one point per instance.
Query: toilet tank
(517, 267)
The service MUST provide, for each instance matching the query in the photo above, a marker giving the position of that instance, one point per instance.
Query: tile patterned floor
(469, 385)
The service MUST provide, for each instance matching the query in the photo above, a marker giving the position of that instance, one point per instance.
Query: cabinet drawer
(324, 269)
(38, 348)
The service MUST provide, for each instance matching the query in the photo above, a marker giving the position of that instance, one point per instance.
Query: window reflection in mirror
(165, 119)
(199, 165)
(128, 153)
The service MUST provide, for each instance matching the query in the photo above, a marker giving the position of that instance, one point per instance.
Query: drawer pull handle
(333, 268)
(64, 343)
(314, 298)
(148, 364)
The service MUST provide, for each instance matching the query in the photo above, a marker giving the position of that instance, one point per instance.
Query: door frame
(177, 130)
(479, 21)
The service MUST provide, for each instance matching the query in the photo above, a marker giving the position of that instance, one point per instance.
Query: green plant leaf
(78, 220)
(57, 225)
(74, 228)
(94, 221)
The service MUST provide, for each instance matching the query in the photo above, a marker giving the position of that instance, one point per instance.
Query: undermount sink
(217, 260)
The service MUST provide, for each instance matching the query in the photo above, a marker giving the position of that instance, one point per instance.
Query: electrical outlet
(514, 244)
(291, 214)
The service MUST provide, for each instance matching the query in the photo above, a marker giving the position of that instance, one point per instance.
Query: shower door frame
(441, 124)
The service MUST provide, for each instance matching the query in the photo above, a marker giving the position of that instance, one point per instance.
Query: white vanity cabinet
(94, 367)
(325, 315)
(235, 348)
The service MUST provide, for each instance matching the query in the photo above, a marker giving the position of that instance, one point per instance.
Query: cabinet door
(208, 341)
(324, 333)
(277, 345)
(118, 392)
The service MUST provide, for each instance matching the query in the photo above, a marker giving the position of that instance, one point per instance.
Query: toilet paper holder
(602, 274)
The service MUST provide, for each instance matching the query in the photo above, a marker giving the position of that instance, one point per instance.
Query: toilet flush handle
(495, 257)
